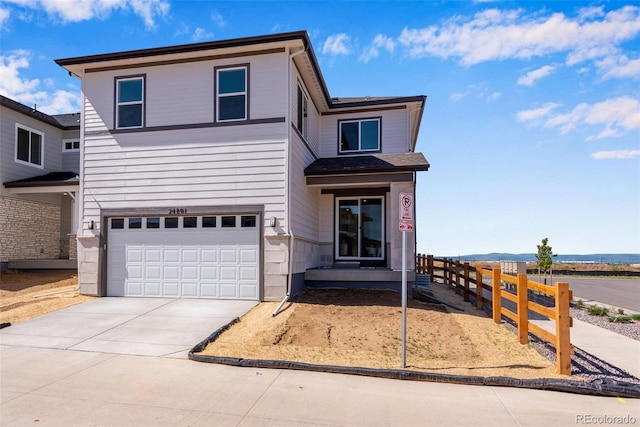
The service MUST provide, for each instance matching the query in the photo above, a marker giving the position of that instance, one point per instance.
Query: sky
(532, 120)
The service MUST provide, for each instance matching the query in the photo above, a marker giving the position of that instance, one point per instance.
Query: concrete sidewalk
(51, 387)
(616, 349)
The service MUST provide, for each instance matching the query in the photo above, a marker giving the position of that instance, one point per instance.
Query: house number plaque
(177, 211)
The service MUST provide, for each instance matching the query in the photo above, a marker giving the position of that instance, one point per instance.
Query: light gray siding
(52, 141)
(395, 131)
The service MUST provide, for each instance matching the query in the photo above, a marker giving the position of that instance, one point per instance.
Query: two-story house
(39, 167)
(225, 170)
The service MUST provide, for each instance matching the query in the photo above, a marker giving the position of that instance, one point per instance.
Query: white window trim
(245, 93)
(303, 127)
(15, 146)
(360, 149)
(383, 242)
(141, 102)
(70, 150)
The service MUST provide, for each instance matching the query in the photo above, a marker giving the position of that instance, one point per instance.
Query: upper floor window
(70, 145)
(29, 146)
(303, 116)
(359, 135)
(231, 93)
(130, 102)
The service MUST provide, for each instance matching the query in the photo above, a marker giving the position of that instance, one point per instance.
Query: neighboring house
(225, 170)
(39, 167)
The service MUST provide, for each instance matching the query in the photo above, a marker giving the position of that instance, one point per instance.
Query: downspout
(288, 210)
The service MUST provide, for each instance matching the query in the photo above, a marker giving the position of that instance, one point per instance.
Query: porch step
(43, 264)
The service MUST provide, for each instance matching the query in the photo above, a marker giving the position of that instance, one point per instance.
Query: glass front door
(360, 228)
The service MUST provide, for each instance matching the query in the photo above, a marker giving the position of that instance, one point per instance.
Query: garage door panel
(171, 255)
(190, 290)
(189, 272)
(208, 290)
(134, 288)
(208, 273)
(229, 290)
(209, 255)
(171, 289)
(152, 289)
(153, 255)
(134, 254)
(229, 256)
(201, 262)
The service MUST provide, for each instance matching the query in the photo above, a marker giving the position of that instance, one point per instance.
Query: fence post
(523, 309)
(445, 273)
(466, 281)
(563, 325)
(457, 271)
(496, 300)
(430, 266)
(479, 288)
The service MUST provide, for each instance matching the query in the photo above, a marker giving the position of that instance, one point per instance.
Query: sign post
(406, 224)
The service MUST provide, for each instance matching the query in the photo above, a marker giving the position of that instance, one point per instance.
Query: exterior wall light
(273, 222)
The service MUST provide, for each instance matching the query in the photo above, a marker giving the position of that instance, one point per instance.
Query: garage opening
(205, 256)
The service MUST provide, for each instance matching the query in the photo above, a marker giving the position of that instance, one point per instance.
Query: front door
(360, 228)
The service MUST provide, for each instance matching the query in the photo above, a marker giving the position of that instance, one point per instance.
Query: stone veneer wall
(29, 230)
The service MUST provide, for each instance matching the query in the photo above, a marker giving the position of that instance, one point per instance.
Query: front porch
(355, 277)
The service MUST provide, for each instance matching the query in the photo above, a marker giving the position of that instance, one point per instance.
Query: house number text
(177, 211)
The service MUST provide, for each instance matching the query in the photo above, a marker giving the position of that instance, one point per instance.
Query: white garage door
(184, 257)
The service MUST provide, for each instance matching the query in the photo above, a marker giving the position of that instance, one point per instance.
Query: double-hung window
(29, 146)
(303, 116)
(232, 93)
(359, 135)
(130, 102)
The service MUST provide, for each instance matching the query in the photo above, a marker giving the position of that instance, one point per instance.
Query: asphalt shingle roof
(370, 163)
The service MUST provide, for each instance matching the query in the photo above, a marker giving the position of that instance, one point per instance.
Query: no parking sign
(406, 212)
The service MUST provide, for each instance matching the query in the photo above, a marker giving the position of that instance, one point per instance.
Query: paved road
(624, 293)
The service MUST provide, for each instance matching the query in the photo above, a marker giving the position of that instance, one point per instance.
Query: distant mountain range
(590, 259)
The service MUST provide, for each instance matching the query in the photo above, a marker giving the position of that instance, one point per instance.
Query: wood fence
(460, 276)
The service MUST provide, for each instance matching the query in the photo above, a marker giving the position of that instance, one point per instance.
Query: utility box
(513, 267)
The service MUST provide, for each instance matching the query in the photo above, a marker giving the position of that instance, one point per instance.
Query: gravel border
(629, 330)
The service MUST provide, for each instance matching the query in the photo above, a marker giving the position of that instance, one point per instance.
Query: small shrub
(596, 310)
(635, 316)
(579, 304)
(621, 311)
(620, 319)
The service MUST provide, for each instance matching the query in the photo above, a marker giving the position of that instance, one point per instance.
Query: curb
(598, 387)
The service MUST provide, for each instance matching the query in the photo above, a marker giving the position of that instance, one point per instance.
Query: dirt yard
(363, 328)
(22, 294)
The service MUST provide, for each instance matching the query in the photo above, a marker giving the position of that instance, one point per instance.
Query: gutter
(288, 210)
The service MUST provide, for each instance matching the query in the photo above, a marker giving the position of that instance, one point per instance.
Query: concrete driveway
(134, 326)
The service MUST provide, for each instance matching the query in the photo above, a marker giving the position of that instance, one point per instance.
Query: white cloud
(4, 17)
(532, 76)
(494, 96)
(83, 10)
(200, 34)
(504, 34)
(373, 50)
(29, 91)
(218, 19)
(337, 44)
(617, 115)
(457, 96)
(619, 66)
(536, 113)
(616, 154)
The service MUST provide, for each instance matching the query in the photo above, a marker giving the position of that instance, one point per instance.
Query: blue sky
(532, 123)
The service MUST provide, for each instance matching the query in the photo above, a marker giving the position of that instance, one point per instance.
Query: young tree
(544, 257)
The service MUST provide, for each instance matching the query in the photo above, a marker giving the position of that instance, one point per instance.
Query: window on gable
(359, 135)
(29, 146)
(70, 145)
(303, 116)
(130, 102)
(231, 94)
